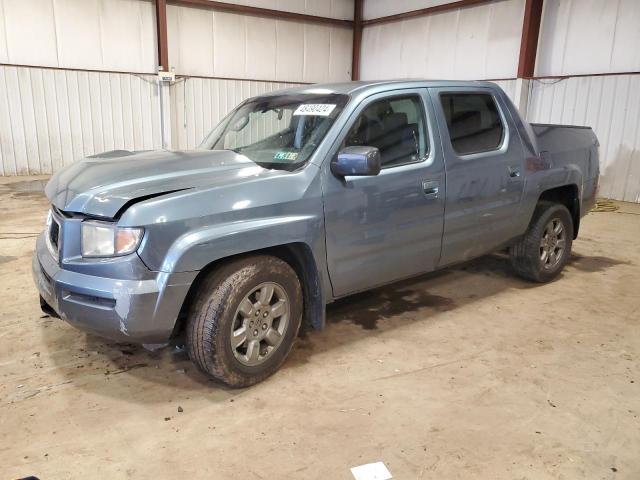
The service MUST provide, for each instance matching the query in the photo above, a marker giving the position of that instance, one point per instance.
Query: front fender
(196, 249)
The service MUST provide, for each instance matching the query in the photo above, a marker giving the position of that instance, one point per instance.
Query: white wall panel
(340, 9)
(129, 35)
(50, 118)
(87, 34)
(383, 8)
(340, 54)
(78, 39)
(208, 43)
(316, 60)
(589, 36)
(30, 32)
(198, 104)
(289, 55)
(261, 47)
(611, 106)
(191, 39)
(476, 42)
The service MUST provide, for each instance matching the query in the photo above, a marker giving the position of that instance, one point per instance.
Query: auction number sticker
(318, 109)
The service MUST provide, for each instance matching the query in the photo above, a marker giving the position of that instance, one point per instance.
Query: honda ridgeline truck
(300, 197)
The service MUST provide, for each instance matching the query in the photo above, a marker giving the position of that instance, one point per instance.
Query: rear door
(484, 162)
(386, 227)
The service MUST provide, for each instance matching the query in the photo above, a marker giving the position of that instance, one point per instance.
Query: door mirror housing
(357, 161)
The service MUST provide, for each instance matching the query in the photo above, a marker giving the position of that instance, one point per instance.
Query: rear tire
(245, 319)
(541, 254)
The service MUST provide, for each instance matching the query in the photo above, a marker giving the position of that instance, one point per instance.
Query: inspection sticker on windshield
(318, 109)
(285, 156)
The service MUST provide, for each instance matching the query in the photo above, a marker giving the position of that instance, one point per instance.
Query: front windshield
(280, 131)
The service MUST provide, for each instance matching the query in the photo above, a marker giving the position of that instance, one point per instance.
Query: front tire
(541, 254)
(245, 320)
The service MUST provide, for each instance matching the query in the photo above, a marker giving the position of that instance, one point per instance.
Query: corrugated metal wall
(609, 104)
(244, 46)
(198, 104)
(589, 36)
(50, 118)
(86, 34)
(341, 9)
(477, 42)
(383, 8)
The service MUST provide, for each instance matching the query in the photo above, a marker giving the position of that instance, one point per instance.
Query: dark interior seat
(388, 131)
(396, 139)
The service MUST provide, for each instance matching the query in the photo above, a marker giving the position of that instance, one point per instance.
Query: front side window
(395, 126)
(280, 131)
(473, 121)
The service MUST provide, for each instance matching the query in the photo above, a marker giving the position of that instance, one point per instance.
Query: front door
(386, 227)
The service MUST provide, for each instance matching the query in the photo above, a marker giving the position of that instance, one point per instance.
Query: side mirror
(357, 161)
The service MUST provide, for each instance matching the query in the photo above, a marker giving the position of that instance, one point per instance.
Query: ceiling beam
(423, 11)
(357, 39)
(263, 12)
(161, 32)
(529, 40)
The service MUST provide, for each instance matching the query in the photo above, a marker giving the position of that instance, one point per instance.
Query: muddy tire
(541, 254)
(244, 320)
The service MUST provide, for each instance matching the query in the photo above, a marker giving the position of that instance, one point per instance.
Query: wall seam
(55, 32)
(35, 121)
(4, 23)
(613, 37)
(13, 138)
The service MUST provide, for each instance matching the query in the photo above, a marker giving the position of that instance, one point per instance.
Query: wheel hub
(259, 324)
(552, 244)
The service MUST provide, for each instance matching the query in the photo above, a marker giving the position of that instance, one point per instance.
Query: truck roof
(350, 88)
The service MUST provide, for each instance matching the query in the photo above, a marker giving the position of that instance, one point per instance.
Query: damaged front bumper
(130, 310)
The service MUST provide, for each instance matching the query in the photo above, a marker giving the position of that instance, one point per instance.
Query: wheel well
(299, 257)
(567, 195)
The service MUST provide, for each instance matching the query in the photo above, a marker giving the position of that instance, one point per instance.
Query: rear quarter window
(473, 121)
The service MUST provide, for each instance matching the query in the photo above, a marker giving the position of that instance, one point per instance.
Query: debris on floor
(605, 205)
(371, 471)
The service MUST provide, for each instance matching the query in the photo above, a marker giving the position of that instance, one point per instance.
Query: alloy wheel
(552, 244)
(260, 323)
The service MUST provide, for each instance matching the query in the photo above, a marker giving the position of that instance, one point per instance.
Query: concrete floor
(467, 373)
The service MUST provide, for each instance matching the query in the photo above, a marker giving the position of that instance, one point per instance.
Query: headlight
(100, 239)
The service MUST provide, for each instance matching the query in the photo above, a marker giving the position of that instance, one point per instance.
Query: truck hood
(103, 184)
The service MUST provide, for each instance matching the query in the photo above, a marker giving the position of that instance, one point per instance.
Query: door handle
(514, 172)
(430, 189)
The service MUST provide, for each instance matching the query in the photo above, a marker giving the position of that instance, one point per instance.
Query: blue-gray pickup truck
(300, 197)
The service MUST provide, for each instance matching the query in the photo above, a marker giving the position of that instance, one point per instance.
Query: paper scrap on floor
(371, 471)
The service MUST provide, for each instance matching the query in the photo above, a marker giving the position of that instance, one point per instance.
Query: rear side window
(473, 121)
